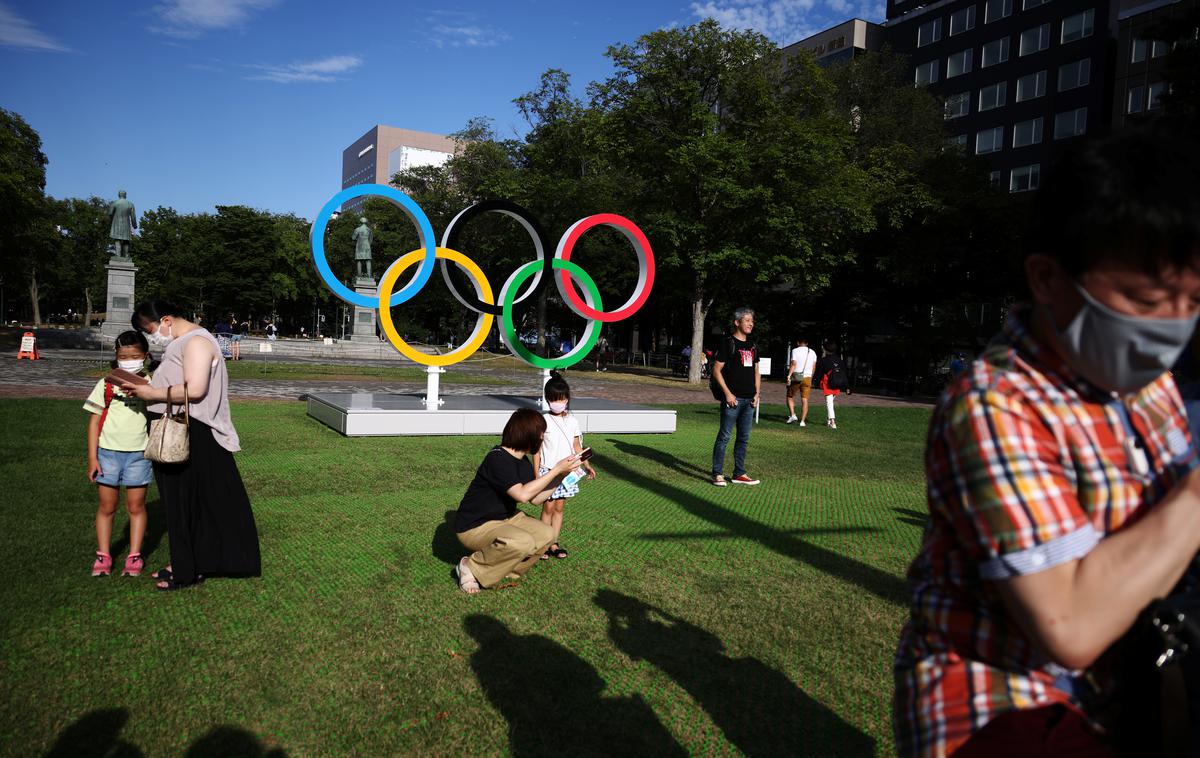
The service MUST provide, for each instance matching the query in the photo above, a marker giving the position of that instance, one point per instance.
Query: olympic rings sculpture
(537, 273)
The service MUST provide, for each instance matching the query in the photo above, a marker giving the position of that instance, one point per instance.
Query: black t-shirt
(487, 497)
(740, 368)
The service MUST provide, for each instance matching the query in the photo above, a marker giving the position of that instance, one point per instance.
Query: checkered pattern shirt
(1028, 466)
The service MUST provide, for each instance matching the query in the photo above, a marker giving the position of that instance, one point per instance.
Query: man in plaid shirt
(1061, 498)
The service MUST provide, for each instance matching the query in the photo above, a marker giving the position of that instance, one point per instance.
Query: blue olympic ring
(414, 213)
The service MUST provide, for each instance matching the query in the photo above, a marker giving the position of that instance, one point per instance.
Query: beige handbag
(169, 434)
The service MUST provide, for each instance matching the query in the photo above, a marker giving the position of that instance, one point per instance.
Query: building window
(1138, 50)
(996, 10)
(929, 32)
(1158, 48)
(994, 178)
(927, 73)
(1031, 86)
(962, 20)
(1135, 99)
(1027, 132)
(1027, 4)
(1070, 123)
(994, 52)
(993, 96)
(1078, 26)
(1025, 178)
(1074, 75)
(957, 142)
(989, 140)
(959, 63)
(1157, 90)
(958, 105)
(1035, 40)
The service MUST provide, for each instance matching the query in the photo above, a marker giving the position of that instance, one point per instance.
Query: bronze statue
(362, 248)
(124, 221)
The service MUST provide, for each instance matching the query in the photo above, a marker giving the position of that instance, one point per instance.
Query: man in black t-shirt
(735, 372)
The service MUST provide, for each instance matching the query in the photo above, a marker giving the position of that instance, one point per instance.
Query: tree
(24, 227)
(736, 161)
(82, 226)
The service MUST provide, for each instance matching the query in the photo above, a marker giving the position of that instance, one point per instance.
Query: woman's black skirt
(209, 523)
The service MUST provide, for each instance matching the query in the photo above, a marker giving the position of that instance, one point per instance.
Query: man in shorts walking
(799, 379)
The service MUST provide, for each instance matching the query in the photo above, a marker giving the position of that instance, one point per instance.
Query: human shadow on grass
(759, 709)
(156, 529)
(445, 545)
(666, 459)
(877, 582)
(98, 735)
(552, 699)
(910, 516)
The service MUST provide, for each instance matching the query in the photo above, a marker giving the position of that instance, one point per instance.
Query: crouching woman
(506, 542)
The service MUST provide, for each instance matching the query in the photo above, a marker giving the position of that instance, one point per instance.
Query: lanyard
(1135, 451)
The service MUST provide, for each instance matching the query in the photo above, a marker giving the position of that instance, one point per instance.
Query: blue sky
(194, 103)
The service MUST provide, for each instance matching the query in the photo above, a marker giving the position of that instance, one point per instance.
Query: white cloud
(466, 35)
(320, 70)
(786, 21)
(17, 32)
(191, 18)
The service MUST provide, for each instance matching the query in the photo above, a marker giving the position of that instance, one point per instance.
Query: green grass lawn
(687, 618)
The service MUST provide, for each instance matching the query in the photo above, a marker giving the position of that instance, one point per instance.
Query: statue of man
(362, 248)
(124, 221)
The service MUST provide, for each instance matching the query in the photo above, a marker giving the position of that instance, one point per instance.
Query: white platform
(384, 415)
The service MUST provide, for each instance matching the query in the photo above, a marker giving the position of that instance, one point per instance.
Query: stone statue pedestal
(362, 328)
(119, 307)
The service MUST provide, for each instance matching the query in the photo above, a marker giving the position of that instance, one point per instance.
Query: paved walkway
(61, 374)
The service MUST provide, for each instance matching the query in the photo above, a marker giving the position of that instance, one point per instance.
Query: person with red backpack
(832, 379)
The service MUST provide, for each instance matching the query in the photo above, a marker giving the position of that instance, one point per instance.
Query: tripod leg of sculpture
(432, 381)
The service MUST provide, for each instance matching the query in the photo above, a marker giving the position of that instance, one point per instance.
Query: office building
(841, 42)
(383, 151)
(1020, 77)
(1138, 76)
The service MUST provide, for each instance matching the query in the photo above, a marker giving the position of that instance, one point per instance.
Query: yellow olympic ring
(483, 324)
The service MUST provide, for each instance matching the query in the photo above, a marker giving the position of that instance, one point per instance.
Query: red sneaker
(133, 565)
(103, 564)
(743, 479)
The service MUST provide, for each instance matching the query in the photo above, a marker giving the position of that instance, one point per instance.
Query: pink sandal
(103, 564)
(133, 565)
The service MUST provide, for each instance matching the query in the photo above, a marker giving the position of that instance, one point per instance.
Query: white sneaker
(790, 419)
(803, 424)
(833, 423)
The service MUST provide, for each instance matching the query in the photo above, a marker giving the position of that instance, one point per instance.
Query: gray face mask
(1122, 353)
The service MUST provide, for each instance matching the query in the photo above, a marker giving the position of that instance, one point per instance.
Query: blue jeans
(743, 416)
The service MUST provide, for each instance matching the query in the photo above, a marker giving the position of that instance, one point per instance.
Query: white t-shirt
(805, 359)
(559, 441)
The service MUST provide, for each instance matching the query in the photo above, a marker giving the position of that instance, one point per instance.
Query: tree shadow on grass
(156, 529)
(665, 459)
(759, 709)
(877, 582)
(445, 545)
(552, 699)
(98, 735)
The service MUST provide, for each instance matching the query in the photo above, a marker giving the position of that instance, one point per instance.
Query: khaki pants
(505, 547)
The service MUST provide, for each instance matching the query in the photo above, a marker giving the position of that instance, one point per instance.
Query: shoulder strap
(109, 393)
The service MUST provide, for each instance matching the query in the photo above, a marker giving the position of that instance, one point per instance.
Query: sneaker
(719, 481)
(133, 565)
(743, 479)
(833, 423)
(103, 564)
(790, 419)
(803, 424)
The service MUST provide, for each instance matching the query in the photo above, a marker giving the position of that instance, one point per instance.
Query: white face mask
(132, 365)
(558, 406)
(160, 339)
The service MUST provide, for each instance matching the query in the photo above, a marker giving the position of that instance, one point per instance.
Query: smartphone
(121, 376)
(585, 454)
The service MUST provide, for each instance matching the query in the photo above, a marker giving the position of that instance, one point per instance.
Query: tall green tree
(735, 160)
(25, 231)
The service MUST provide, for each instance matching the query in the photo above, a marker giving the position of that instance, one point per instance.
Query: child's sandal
(103, 564)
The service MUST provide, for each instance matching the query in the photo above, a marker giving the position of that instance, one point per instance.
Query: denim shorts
(130, 469)
(235, 337)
